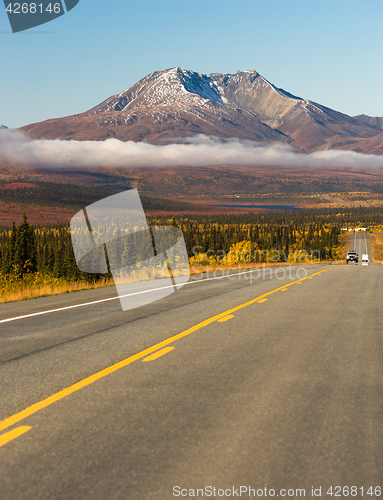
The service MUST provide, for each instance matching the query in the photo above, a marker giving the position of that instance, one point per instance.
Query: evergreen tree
(9, 252)
(25, 247)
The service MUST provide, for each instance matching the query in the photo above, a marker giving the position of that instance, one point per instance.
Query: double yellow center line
(147, 353)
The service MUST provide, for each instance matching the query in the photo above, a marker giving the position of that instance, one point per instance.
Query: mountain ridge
(175, 103)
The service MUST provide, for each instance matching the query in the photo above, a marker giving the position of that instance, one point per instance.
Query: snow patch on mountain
(184, 89)
(199, 84)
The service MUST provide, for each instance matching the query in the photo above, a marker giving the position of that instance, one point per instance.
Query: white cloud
(17, 148)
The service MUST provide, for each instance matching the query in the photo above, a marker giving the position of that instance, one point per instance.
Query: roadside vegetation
(377, 247)
(39, 261)
(36, 262)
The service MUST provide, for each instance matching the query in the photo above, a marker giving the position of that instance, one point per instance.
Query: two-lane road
(361, 245)
(272, 381)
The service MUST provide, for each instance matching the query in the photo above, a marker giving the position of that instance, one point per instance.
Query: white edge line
(122, 296)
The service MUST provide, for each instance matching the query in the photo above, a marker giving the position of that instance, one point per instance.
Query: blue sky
(326, 51)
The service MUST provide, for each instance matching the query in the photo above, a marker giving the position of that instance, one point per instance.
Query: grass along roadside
(198, 269)
(377, 247)
(35, 286)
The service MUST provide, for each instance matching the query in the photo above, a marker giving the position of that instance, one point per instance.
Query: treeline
(48, 194)
(47, 250)
(26, 249)
(218, 235)
(54, 195)
(309, 230)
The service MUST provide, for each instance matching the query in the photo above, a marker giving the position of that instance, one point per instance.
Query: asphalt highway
(256, 381)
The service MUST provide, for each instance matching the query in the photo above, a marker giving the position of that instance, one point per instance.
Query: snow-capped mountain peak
(185, 88)
(176, 103)
(175, 86)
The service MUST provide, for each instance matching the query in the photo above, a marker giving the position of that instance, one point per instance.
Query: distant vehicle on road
(365, 259)
(352, 256)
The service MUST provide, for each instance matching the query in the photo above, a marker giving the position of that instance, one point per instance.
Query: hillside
(170, 105)
(55, 195)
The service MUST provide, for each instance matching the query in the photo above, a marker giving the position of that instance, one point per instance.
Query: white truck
(352, 256)
(365, 259)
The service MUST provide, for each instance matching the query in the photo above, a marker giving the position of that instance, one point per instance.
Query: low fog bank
(199, 151)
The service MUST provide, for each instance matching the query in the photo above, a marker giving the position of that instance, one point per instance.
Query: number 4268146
(33, 8)
(353, 491)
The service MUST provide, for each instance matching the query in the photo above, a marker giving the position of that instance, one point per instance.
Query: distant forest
(75, 188)
(27, 249)
(49, 194)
